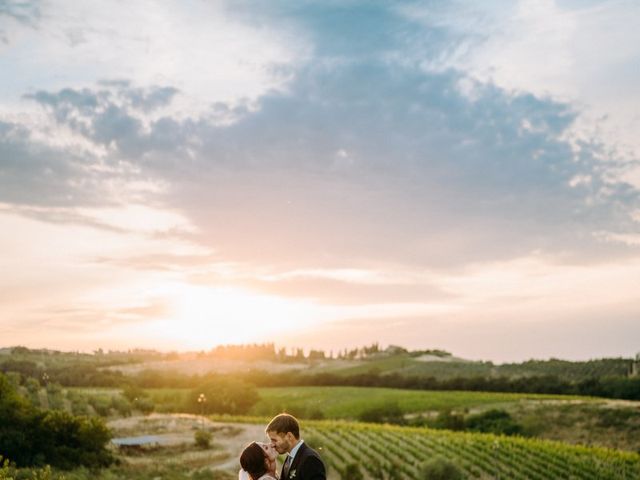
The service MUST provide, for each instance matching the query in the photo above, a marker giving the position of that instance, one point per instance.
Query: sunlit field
(402, 432)
(351, 402)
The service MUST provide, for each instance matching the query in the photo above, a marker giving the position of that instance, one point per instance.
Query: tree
(387, 413)
(316, 355)
(17, 422)
(30, 436)
(65, 441)
(449, 421)
(494, 421)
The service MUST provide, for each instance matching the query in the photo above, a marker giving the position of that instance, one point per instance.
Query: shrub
(616, 417)
(388, 413)
(65, 441)
(44, 473)
(4, 470)
(439, 468)
(448, 421)
(79, 404)
(55, 395)
(121, 405)
(494, 421)
(14, 379)
(101, 405)
(33, 391)
(202, 438)
(133, 392)
(32, 437)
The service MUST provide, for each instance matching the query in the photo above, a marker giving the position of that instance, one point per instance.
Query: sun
(201, 317)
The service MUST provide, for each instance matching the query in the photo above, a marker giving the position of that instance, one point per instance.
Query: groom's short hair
(284, 423)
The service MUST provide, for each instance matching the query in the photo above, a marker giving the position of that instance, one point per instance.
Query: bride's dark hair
(252, 460)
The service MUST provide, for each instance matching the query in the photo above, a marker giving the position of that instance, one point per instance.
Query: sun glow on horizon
(201, 317)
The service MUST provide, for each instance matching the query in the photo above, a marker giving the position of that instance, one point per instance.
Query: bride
(258, 462)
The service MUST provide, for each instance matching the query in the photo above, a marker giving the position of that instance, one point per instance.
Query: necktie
(287, 466)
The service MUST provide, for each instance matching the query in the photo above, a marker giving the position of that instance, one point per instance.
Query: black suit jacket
(307, 465)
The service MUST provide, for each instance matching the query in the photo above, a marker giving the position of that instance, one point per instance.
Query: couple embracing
(258, 460)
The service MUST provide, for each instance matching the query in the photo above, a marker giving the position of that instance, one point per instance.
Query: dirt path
(178, 429)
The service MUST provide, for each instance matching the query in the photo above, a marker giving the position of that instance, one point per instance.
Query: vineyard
(389, 452)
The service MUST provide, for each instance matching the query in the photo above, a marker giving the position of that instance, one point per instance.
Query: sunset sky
(436, 174)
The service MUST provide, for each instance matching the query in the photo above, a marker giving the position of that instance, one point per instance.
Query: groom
(303, 462)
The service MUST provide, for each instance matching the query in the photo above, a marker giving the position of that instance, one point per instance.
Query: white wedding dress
(242, 475)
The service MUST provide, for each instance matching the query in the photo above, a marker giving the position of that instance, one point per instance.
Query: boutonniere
(292, 473)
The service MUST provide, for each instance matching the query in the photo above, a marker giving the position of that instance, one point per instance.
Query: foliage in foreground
(7, 472)
(32, 437)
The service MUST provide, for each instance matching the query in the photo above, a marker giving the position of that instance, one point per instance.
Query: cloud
(35, 173)
(409, 164)
(17, 12)
(436, 167)
(117, 117)
(22, 11)
(420, 165)
(77, 154)
(199, 50)
(351, 157)
(580, 52)
(328, 287)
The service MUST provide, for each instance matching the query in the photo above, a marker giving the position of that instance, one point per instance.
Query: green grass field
(350, 402)
(347, 403)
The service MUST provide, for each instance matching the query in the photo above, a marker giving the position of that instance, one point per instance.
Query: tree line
(616, 387)
(608, 387)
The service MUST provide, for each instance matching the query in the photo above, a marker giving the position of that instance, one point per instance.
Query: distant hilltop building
(634, 370)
